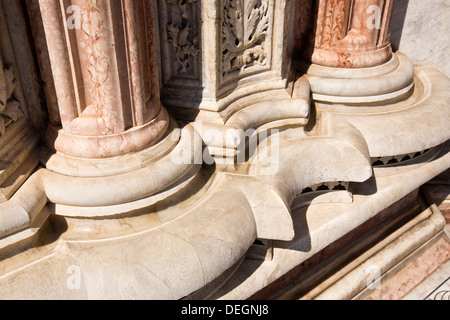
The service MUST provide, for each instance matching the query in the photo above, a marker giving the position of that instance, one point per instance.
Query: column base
(348, 59)
(92, 147)
(393, 130)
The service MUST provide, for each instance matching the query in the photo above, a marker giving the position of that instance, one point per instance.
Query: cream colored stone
(383, 127)
(231, 50)
(369, 273)
(185, 251)
(146, 202)
(420, 30)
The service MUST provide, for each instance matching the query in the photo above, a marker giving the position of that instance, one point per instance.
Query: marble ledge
(315, 229)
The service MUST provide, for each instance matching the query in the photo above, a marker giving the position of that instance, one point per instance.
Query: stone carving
(183, 37)
(245, 29)
(9, 108)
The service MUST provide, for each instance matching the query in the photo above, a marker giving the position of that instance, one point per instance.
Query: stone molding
(126, 192)
(20, 114)
(352, 34)
(364, 85)
(240, 48)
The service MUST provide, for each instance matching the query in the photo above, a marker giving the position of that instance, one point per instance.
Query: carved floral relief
(9, 107)
(245, 34)
(183, 36)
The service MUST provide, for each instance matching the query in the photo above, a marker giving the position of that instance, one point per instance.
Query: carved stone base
(392, 128)
(382, 84)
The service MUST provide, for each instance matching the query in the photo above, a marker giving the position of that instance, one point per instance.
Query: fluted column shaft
(104, 71)
(352, 33)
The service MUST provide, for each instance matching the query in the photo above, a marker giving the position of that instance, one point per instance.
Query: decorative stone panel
(215, 52)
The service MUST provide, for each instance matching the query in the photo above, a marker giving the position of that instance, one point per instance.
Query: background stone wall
(421, 30)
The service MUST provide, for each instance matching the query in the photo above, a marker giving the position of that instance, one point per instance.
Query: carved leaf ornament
(181, 36)
(244, 31)
(9, 108)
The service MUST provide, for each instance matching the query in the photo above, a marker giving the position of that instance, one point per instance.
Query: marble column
(352, 33)
(215, 54)
(103, 71)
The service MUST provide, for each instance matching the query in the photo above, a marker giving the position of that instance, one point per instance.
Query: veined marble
(213, 149)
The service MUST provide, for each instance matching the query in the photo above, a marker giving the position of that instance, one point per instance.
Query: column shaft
(352, 33)
(103, 62)
(53, 23)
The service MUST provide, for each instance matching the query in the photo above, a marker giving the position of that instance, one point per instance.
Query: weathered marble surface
(407, 282)
(420, 30)
(130, 203)
(105, 76)
(319, 225)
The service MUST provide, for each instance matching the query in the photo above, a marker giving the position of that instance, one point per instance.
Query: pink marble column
(352, 33)
(104, 73)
